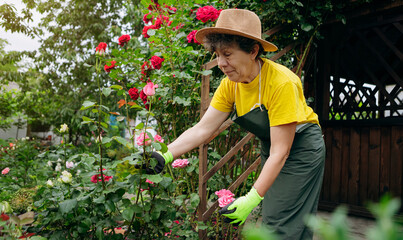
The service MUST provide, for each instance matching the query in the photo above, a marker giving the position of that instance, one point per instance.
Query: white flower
(69, 164)
(5, 207)
(64, 128)
(50, 164)
(78, 171)
(59, 160)
(66, 177)
(58, 168)
(49, 183)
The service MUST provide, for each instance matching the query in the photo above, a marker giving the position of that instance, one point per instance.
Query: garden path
(358, 225)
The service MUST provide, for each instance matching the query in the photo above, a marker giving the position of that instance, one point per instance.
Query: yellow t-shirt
(281, 94)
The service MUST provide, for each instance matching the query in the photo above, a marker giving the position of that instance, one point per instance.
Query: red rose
(171, 10)
(147, 19)
(124, 39)
(154, 6)
(108, 68)
(191, 37)
(145, 68)
(4, 217)
(156, 62)
(180, 25)
(160, 20)
(101, 48)
(207, 13)
(134, 93)
(143, 96)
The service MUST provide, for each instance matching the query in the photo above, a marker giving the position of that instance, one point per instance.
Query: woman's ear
(255, 51)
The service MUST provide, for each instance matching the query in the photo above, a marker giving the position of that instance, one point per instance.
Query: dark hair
(217, 40)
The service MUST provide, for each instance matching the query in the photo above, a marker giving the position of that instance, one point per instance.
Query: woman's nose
(222, 62)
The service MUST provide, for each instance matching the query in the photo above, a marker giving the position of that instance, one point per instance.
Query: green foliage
(21, 201)
(337, 228)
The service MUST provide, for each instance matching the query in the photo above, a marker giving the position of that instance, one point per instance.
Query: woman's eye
(227, 54)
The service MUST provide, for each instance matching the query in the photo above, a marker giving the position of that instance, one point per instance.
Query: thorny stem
(99, 122)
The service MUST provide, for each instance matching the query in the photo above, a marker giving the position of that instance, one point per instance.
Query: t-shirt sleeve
(223, 99)
(285, 107)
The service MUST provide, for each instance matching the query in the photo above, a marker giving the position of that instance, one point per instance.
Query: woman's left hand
(237, 211)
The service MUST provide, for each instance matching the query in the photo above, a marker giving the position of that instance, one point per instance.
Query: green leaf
(123, 141)
(99, 233)
(67, 205)
(164, 147)
(104, 125)
(87, 119)
(110, 205)
(87, 104)
(194, 200)
(106, 140)
(183, 101)
(118, 87)
(139, 126)
(156, 146)
(106, 91)
(154, 178)
(128, 213)
(151, 32)
(306, 27)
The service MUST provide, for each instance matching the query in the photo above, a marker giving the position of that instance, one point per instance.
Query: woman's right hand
(162, 160)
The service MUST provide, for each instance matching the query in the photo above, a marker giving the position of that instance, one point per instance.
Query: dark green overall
(295, 192)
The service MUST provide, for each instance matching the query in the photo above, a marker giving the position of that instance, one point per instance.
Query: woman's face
(236, 64)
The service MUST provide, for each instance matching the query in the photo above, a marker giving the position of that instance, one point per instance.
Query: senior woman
(266, 99)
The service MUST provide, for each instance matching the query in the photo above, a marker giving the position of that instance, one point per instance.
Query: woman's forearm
(269, 173)
(199, 133)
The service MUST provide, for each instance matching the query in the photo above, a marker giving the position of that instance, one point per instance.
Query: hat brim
(201, 34)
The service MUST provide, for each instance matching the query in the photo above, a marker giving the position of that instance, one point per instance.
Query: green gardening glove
(162, 160)
(238, 210)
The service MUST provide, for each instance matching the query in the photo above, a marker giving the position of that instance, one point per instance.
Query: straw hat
(238, 22)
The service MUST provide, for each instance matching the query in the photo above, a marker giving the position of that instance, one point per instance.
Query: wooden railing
(204, 174)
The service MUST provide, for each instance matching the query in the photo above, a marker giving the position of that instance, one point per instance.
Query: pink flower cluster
(191, 37)
(207, 13)
(180, 163)
(97, 177)
(144, 139)
(225, 197)
(5, 171)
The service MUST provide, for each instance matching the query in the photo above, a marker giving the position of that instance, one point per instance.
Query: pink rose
(5, 171)
(180, 163)
(156, 62)
(225, 200)
(158, 138)
(191, 37)
(149, 89)
(207, 13)
(224, 192)
(69, 164)
(143, 139)
(97, 178)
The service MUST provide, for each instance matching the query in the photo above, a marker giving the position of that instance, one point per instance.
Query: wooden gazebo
(356, 79)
